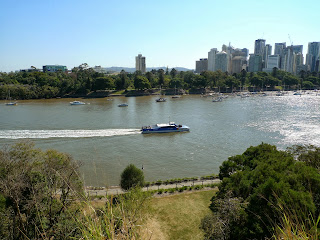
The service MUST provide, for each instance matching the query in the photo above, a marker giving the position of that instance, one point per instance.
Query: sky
(173, 33)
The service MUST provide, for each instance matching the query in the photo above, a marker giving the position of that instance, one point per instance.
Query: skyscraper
(290, 60)
(255, 63)
(212, 59)
(141, 63)
(273, 61)
(222, 61)
(279, 48)
(259, 47)
(313, 55)
(267, 52)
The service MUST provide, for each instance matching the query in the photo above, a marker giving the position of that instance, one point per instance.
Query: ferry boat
(165, 128)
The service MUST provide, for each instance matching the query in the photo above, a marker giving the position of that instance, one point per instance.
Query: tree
(264, 176)
(173, 73)
(141, 83)
(30, 181)
(131, 177)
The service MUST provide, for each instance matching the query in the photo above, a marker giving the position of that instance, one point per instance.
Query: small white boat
(123, 105)
(176, 96)
(77, 103)
(218, 99)
(164, 128)
(161, 100)
(12, 104)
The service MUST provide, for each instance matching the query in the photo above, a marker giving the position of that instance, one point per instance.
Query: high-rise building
(255, 63)
(239, 60)
(267, 52)
(297, 61)
(259, 47)
(297, 48)
(290, 63)
(313, 56)
(288, 59)
(141, 63)
(201, 65)
(222, 61)
(279, 48)
(273, 61)
(212, 59)
(246, 51)
(238, 63)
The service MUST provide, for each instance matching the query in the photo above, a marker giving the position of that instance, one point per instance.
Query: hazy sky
(172, 33)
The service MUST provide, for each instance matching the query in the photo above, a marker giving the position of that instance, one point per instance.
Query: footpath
(115, 190)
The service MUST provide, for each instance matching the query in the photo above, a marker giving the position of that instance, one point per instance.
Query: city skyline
(174, 34)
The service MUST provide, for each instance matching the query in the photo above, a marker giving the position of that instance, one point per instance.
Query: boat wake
(19, 134)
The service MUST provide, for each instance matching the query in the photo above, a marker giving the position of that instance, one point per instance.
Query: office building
(279, 49)
(273, 61)
(54, 68)
(297, 61)
(255, 63)
(222, 61)
(313, 56)
(202, 65)
(212, 59)
(141, 63)
(259, 47)
(267, 52)
(238, 64)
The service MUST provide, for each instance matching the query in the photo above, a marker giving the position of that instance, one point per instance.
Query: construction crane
(290, 40)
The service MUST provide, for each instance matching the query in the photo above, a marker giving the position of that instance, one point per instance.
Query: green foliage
(141, 83)
(262, 176)
(38, 187)
(131, 177)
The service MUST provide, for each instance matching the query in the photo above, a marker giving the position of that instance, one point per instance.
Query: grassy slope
(178, 216)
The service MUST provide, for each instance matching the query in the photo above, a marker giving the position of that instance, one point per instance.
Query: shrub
(131, 177)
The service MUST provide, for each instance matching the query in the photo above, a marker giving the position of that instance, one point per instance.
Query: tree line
(83, 80)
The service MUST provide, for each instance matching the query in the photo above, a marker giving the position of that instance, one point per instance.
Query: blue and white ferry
(165, 128)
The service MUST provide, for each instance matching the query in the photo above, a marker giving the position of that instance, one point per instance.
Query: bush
(262, 176)
(131, 177)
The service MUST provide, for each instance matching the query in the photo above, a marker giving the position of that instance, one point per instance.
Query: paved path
(114, 190)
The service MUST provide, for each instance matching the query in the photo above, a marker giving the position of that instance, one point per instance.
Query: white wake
(17, 134)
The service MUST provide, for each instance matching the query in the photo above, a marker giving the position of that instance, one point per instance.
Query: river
(105, 138)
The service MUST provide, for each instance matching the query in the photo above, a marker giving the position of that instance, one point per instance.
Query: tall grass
(293, 226)
(122, 217)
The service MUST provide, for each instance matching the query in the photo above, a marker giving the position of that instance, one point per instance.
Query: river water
(106, 138)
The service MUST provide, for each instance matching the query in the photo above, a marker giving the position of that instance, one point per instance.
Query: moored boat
(123, 105)
(165, 128)
(77, 103)
(161, 99)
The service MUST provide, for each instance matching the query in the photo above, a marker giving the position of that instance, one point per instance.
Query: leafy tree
(141, 83)
(307, 85)
(173, 73)
(161, 77)
(263, 176)
(38, 188)
(131, 177)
